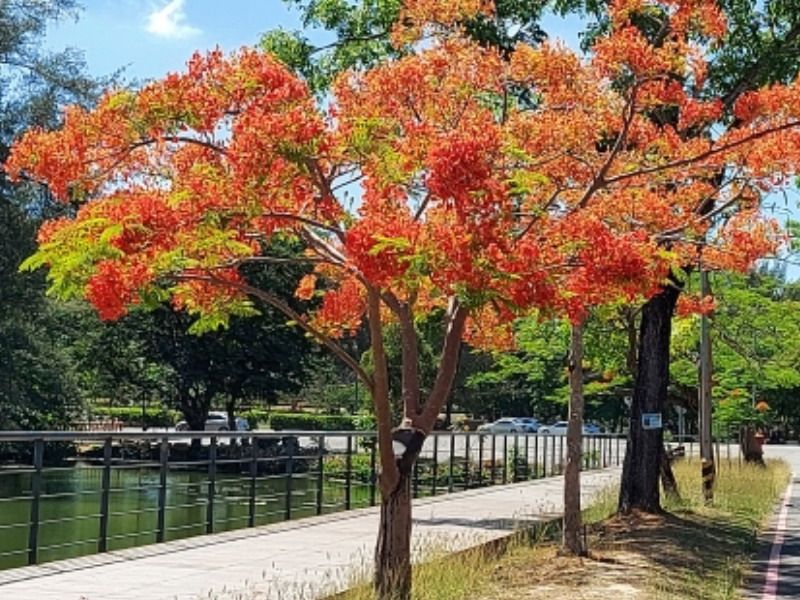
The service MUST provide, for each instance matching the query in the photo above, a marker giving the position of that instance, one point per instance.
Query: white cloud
(170, 22)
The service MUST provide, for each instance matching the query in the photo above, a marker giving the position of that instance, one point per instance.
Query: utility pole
(706, 448)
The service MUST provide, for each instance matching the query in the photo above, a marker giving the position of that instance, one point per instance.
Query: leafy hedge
(160, 417)
(311, 422)
(132, 415)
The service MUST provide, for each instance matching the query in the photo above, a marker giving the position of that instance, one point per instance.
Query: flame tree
(473, 198)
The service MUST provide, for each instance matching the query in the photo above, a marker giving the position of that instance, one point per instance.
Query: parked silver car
(504, 425)
(217, 421)
(560, 428)
(529, 424)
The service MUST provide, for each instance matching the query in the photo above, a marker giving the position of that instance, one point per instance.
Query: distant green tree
(755, 332)
(154, 353)
(360, 34)
(38, 388)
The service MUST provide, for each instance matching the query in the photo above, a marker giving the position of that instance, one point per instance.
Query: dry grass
(692, 552)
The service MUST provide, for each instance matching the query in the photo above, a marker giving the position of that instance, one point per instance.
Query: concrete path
(307, 559)
(776, 569)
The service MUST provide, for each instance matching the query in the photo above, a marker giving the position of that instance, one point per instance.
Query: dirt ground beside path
(679, 555)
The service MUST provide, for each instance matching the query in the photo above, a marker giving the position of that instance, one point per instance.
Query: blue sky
(149, 38)
(152, 37)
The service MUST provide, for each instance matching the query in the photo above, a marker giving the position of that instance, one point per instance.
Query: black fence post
(36, 493)
(536, 456)
(373, 480)
(505, 459)
(163, 462)
(212, 484)
(251, 506)
(320, 473)
(618, 445)
(435, 466)
(451, 460)
(466, 462)
(289, 482)
(105, 486)
(494, 458)
(515, 458)
(348, 475)
(527, 457)
(544, 455)
(560, 454)
(480, 460)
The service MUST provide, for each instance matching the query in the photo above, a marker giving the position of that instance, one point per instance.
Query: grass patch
(693, 551)
(441, 577)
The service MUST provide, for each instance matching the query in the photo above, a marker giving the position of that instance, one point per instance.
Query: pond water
(70, 507)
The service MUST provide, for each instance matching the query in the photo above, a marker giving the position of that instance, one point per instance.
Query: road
(777, 567)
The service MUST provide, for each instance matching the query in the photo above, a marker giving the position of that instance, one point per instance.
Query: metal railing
(66, 494)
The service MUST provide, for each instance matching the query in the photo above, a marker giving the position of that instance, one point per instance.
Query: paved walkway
(776, 569)
(308, 558)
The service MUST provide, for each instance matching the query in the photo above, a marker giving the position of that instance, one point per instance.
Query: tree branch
(390, 475)
(600, 178)
(703, 155)
(747, 80)
(287, 310)
(305, 221)
(410, 349)
(448, 364)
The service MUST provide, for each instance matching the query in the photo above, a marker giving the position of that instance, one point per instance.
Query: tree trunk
(230, 408)
(393, 549)
(640, 472)
(195, 412)
(668, 481)
(573, 541)
(751, 451)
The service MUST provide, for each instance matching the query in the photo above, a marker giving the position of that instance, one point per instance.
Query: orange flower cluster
(573, 198)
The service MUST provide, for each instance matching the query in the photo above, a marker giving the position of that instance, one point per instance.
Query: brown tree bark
(572, 539)
(393, 549)
(668, 481)
(400, 447)
(639, 489)
(751, 451)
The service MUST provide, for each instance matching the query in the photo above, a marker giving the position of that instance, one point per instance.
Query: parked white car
(504, 425)
(592, 429)
(217, 421)
(529, 424)
(560, 428)
(557, 428)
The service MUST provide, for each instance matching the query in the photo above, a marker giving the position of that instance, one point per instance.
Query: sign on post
(651, 420)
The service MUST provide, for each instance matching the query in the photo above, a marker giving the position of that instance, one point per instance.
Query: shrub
(311, 422)
(154, 416)
(255, 417)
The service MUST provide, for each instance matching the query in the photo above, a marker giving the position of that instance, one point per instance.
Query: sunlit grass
(695, 551)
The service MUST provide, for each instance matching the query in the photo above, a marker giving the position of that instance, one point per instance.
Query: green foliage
(328, 387)
(735, 411)
(360, 30)
(38, 386)
(755, 334)
(131, 416)
(533, 379)
(311, 422)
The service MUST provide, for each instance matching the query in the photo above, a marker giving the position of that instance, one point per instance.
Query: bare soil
(670, 556)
